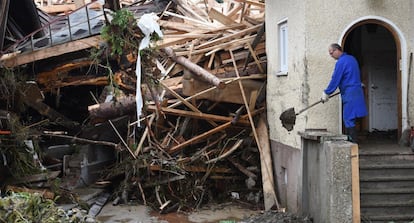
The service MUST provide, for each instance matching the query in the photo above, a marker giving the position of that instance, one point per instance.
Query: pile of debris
(170, 113)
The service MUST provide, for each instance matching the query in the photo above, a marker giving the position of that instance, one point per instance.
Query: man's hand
(324, 97)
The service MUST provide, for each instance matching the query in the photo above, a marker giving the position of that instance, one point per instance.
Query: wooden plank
(269, 193)
(56, 9)
(266, 167)
(188, 104)
(188, 19)
(356, 207)
(230, 37)
(251, 2)
(57, 50)
(197, 169)
(226, 153)
(219, 46)
(240, 55)
(198, 138)
(58, 70)
(187, 27)
(233, 12)
(253, 53)
(190, 10)
(170, 40)
(216, 15)
(49, 112)
(197, 115)
(231, 93)
(208, 133)
(242, 169)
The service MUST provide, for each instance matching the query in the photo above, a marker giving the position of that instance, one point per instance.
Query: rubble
(276, 217)
(202, 133)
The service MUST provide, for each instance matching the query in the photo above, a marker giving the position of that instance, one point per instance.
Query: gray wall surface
(316, 181)
(327, 177)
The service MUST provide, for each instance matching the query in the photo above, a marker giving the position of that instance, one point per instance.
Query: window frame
(283, 52)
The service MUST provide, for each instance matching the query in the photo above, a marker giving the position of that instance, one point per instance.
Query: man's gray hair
(336, 46)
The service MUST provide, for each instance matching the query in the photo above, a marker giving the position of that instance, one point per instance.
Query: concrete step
(387, 199)
(376, 165)
(386, 152)
(394, 218)
(386, 159)
(389, 204)
(385, 185)
(407, 211)
(385, 191)
(368, 178)
(392, 173)
(403, 199)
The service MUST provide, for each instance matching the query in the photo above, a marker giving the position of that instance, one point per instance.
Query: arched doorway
(377, 49)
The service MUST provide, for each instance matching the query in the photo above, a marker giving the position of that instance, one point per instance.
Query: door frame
(401, 66)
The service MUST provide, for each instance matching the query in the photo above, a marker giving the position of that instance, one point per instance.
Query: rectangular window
(283, 47)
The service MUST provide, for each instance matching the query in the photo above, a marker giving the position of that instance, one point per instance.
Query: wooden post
(356, 211)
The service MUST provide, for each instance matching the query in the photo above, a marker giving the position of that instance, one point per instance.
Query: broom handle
(310, 106)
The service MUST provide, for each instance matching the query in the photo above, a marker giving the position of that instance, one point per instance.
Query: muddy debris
(288, 119)
(276, 217)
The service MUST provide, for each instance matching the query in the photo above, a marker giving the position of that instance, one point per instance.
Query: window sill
(282, 73)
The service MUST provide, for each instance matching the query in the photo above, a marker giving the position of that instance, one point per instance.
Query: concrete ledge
(321, 135)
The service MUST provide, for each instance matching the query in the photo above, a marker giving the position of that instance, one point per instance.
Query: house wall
(313, 25)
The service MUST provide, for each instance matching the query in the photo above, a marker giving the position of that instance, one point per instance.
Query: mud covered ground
(276, 217)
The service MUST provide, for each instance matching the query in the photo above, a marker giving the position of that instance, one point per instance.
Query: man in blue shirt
(346, 77)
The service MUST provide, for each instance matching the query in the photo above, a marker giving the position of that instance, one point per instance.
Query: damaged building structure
(193, 130)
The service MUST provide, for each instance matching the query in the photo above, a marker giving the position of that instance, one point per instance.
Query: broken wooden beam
(118, 108)
(51, 113)
(205, 135)
(197, 169)
(197, 115)
(194, 68)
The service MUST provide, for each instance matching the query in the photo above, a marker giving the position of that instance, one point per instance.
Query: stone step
(390, 204)
(389, 159)
(386, 184)
(394, 218)
(386, 152)
(395, 190)
(368, 178)
(387, 173)
(375, 165)
(373, 185)
(389, 212)
(405, 199)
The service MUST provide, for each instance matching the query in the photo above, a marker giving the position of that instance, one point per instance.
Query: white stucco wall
(284, 92)
(313, 25)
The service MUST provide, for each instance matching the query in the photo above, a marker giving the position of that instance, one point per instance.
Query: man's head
(335, 50)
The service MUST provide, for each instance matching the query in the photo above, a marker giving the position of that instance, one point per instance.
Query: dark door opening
(375, 48)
